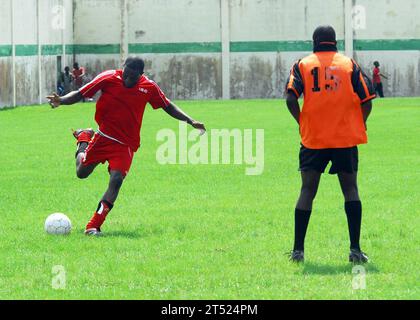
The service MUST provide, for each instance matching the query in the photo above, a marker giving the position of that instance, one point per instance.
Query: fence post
(225, 38)
(12, 13)
(348, 28)
(124, 31)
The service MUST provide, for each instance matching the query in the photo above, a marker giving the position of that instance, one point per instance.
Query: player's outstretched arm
(293, 106)
(383, 76)
(174, 111)
(72, 97)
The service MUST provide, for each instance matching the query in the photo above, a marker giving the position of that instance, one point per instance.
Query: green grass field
(205, 231)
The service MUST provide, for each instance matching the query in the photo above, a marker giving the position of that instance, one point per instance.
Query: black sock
(81, 147)
(354, 220)
(301, 225)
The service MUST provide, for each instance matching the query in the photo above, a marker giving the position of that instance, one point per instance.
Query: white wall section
(201, 49)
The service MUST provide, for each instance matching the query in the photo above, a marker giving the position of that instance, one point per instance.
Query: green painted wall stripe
(51, 49)
(32, 50)
(269, 46)
(274, 46)
(380, 45)
(182, 47)
(69, 49)
(205, 47)
(5, 50)
(26, 50)
(96, 48)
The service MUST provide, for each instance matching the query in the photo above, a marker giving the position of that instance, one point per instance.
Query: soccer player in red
(332, 123)
(377, 81)
(78, 73)
(119, 114)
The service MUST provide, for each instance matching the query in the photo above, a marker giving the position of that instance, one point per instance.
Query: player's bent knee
(82, 173)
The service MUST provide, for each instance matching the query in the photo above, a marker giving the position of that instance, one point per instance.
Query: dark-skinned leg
(348, 184)
(116, 179)
(310, 183)
(83, 171)
(352, 205)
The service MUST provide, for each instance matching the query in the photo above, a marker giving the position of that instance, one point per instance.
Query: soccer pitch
(205, 231)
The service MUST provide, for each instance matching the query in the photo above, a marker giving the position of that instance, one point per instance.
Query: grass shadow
(8, 108)
(140, 232)
(325, 269)
(129, 234)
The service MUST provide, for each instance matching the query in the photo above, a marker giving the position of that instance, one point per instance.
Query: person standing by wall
(66, 80)
(78, 75)
(377, 82)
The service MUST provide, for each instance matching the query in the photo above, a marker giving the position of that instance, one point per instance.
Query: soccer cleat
(83, 135)
(99, 216)
(357, 256)
(93, 232)
(296, 256)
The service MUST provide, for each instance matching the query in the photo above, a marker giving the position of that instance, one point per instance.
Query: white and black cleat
(296, 256)
(93, 232)
(357, 256)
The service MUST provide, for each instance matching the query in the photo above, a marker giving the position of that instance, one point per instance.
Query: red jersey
(376, 75)
(119, 110)
(76, 74)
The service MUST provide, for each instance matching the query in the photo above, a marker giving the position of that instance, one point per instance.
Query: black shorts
(343, 159)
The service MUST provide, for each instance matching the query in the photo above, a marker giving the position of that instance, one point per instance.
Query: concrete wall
(5, 60)
(207, 49)
(29, 30)
(176, 29)
(265, 38)
(396, 25)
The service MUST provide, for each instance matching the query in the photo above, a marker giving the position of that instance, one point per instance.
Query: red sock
(84, 137)
(99, 216)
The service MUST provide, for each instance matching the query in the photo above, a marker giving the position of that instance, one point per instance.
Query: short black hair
(75, 65)
(135, 63)
(376, 64)
(67, 69)
(324, 33)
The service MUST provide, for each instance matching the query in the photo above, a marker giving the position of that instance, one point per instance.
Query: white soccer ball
(57, 223)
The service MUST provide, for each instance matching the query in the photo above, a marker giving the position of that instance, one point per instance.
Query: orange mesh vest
(331, 115)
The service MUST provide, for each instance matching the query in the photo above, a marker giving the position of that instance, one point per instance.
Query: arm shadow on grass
(325, 269)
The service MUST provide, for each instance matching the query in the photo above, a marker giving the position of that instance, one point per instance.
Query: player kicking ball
(119, 114)
(337, 103)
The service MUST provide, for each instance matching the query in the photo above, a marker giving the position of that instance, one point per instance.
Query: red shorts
(101, 149)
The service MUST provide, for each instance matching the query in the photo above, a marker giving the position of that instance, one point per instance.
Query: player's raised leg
(310, 183)
(353, 208)
(116, 179)
(83, 136)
